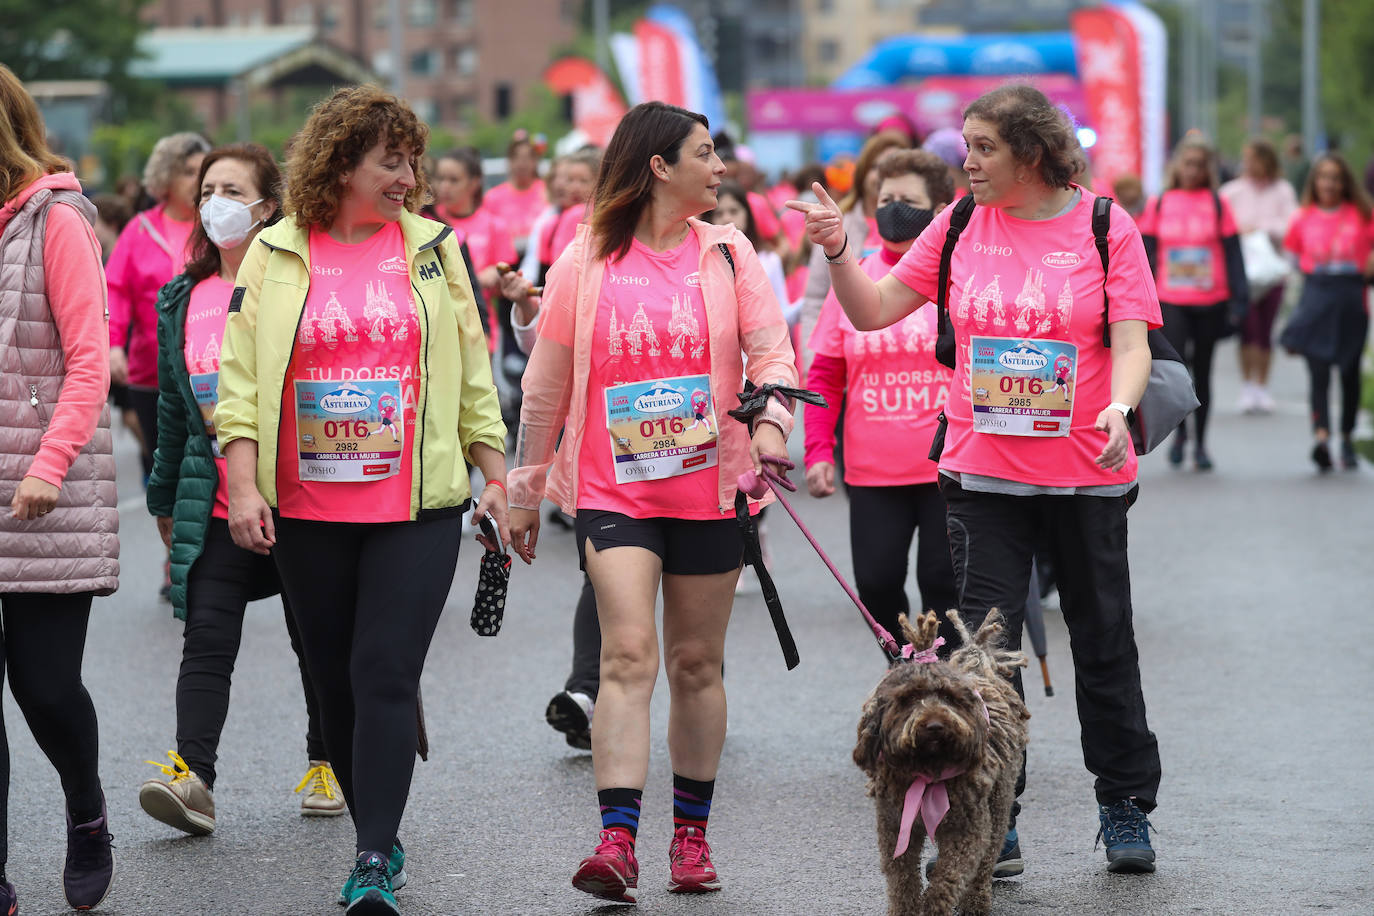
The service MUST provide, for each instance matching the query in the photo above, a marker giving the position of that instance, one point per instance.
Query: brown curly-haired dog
(959, 719)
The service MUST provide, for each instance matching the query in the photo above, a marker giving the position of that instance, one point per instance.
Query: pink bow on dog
(930, 798)
(925, 656)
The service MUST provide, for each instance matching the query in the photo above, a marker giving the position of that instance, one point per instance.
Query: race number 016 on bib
(349, 432)
(663, 428)
(1023, 387)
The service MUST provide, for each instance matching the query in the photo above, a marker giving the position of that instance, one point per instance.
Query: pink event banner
(931, 104)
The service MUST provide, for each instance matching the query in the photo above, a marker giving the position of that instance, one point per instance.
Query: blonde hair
(1185, 146)
(170, 154)
(24, 153)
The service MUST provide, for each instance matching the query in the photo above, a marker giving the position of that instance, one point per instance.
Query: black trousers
(223, 580)
(144, 403)
(42, 642)
(1194, 331)
(367, 599)
(992, 538)
(585, 676)
(882, 523)
(1319, 374)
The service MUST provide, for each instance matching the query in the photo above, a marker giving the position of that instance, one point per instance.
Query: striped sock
(691, 802)
(620, 809)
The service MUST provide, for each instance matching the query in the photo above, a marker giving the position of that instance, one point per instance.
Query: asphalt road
(1252, 597)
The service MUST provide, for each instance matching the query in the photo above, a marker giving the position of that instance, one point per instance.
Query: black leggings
(222, 582)
(144, 403)
(367, 599)
(1319, 371)
(1194, 331)
(586, 662)
(882, 522)
(43, 641)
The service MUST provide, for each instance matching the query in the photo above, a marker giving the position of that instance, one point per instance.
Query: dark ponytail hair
(626, 181)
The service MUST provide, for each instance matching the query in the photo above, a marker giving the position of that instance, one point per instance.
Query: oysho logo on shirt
(1061, 259)
(627, 280)
(319, 271)
(396, 265)
(1002, 251)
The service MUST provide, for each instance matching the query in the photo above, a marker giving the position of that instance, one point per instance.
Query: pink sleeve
(1228, 219)
(119, 275)
(76, 295)
(919, 268)
(502, 245)
(1292, 240)
(826, 378)
(827, 337)
(764, 216)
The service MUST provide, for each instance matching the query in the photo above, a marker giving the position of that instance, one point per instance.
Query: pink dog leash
(755, 485)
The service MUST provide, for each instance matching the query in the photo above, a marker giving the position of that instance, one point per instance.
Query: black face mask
(899, 221)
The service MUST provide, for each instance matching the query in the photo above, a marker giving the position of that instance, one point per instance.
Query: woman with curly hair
(1021, 460)
(349, 305)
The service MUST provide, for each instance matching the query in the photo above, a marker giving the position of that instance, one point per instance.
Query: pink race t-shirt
(894, 389)
(765, 219)
(205, 316)
(565, 230)
(348, 407)
(178, 235)
(1023, 294)
(516, 209)
(651, 448)
(1190, 265)
(488, 238)
(1330, 241)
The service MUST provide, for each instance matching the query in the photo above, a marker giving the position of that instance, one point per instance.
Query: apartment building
(457, 55)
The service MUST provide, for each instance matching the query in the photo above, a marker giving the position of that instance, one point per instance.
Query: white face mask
(227, 222)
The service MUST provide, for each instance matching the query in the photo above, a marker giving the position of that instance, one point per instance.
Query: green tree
(76, 39)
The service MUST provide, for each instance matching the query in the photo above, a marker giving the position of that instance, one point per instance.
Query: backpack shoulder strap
(1102, 224)
(156, 236)
(729, 258)
(958, 221)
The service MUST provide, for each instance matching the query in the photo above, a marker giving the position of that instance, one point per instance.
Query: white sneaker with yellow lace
(323, 798)
(184, 802)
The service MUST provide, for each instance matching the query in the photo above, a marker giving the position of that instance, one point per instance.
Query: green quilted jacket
(182, 484)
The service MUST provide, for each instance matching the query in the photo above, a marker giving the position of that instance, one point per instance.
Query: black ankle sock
(691, 802)
(620, 809)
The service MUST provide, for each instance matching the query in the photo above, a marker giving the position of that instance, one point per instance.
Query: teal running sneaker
(395, 869)
(1125, 832)
(368, 889)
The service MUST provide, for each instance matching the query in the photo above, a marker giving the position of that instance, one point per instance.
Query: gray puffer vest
(75, 548)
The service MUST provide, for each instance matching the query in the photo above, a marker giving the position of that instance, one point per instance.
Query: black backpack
(1169, 397)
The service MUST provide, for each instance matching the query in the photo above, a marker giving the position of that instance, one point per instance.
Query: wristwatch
(1125, 409)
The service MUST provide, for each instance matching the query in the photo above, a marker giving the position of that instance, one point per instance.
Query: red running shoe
(612, 872)
(690, 861)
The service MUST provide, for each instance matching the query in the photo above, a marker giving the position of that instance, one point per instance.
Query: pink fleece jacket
(744, 320)
(76, 295)
(139, 266)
